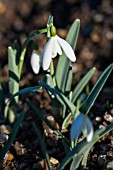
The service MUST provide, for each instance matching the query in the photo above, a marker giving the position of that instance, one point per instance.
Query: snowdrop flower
(54, 46)
(81, 121)
(36, 61)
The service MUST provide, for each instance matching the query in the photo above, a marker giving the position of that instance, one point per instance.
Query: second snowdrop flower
(36, 61)
(54, 46)
(81, 121)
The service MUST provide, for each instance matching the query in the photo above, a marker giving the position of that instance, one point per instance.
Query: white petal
(67, 49)
(89, 127)
(47, 54)
(77, 126)
(56, 47)
(35, 62)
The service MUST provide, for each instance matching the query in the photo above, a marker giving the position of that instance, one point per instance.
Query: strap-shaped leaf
(2, 102)
(68, 82)
(43, 118)
(81, 148)
(12, 135)
(96, 90)
(42, 144)
(64, 63)
(21, 92)
(48, 80)
(25, 91)
(63, 99)
(18, 50)
(66, 121)
(84, 152)
(82, 83)
(13, 71)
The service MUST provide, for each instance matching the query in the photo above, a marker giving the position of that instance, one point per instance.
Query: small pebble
(108, 118)
(3, 138)
(102, 159)
(54, 161)
(5, 129)
(110, 165)
(101, 126)
(98, 119)
(6, 156)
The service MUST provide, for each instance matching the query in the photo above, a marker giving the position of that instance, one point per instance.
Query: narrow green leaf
(82, 83)
(66, 121)
(82, 147)
(42, 144)
(84, 152)
(17, 48)
(2, 102)
(25, 91)
(85, 156)
(96, 90)
(68, 83)
(49, 80)
(76, 163)
(12, 135)
(70, 155)
(60, 97)
(13, 71)
(64, 63)
(43, 118)
(39, 113)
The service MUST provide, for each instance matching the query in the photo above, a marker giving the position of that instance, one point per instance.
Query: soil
(94, 49)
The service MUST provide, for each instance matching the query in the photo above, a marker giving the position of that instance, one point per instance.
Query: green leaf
(48, 80)
(25, 91)
(62, 71)
(68, 83)
(12, 135)
(66, 121)
(82, 83)
(42, 144)
(13, 72)
(80, 149)
(60, 97)
(43, 118)
(2, 102)
(96, 90)
(87, 147)
(70, 155)
(17, 48)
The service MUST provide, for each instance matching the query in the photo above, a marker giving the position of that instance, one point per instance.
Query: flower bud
(53, 31)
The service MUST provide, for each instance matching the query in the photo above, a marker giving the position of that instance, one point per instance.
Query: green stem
(72, 144)
(52, 73)
(22, 55)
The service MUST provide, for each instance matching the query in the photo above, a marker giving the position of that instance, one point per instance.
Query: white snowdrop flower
(81, 121)
(54, 46)
(36, 61)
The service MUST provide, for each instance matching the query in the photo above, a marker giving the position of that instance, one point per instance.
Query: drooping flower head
(36, 61)
(54, 46)
(81, 121)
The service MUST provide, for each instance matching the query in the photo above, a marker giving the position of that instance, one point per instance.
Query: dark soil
(94, 48)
